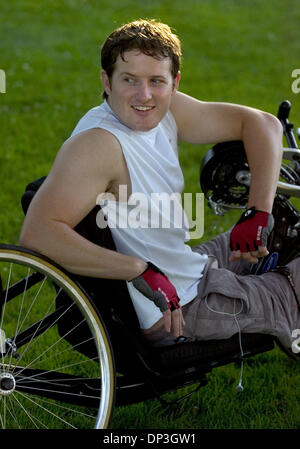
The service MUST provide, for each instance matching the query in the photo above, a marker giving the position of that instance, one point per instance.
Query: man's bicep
(208, 122)
(62, 199)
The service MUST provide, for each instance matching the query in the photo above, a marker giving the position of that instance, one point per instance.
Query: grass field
(236, 51)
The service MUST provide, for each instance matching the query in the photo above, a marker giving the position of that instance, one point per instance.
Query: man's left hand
(248, 239)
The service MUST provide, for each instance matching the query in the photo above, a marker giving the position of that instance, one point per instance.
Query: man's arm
(204, 122)
(85, 166)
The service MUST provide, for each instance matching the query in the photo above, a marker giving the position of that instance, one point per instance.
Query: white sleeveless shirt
(146, 227)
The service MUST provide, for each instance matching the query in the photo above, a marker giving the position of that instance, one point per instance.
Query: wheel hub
(7, 383)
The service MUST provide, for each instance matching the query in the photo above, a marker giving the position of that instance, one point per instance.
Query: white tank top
(153, 233)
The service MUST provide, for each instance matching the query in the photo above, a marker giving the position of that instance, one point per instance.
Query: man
(131, 140)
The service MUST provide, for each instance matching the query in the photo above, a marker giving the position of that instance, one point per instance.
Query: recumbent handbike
(70, 345)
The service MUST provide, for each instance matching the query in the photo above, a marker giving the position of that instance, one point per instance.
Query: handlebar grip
(283, 113)
(284, 110)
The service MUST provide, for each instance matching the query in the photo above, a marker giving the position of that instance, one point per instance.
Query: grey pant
(229, 300)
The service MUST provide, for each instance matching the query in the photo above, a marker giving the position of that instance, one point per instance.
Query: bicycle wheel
(46, 381)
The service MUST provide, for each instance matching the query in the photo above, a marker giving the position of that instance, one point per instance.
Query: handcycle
(70, 345)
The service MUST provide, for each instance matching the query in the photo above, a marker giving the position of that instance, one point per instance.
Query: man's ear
(105, 82)
(176, 82)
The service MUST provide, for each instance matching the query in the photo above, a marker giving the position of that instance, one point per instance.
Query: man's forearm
(76, 254)
(262, 138)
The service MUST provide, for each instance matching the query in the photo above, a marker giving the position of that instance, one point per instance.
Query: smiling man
(142, 97)
(131, 140)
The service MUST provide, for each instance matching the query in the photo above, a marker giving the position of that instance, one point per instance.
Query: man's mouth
(143, 108)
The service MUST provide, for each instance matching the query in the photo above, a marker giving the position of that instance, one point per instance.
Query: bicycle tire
(29, 314)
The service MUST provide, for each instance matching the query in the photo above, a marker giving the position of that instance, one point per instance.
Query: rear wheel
(56, 363)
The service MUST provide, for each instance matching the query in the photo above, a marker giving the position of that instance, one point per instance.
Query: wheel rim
(47, 379)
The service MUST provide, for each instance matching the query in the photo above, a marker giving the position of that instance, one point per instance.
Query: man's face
(140, 89)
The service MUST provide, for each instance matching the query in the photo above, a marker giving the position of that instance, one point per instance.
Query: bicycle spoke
(26, 413)
(19, 315)
(11, 413)
(33, 301)
(4, 412)
(3, 310)
(48, 349)
(33, 379)
(61, 367)
(78, 412)
(63, 352)
(50, 357)
(80, 395)
(34, 417)
(46, 410)
(36, 339)
(1, 419)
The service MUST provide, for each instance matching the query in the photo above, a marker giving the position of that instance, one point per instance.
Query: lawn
(234, 51)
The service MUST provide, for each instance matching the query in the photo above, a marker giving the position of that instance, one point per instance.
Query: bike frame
(292, 153)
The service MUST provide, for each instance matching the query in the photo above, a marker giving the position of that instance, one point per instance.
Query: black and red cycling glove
(251, 231)
(156, 286)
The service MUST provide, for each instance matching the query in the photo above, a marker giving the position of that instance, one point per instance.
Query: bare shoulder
(186, 110)
(85, 166)
(96, 147)
(181, 100)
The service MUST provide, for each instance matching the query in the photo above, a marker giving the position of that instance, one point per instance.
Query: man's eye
(128, 80)
(156, 81)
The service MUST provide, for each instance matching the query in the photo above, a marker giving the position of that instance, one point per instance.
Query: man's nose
(144, 92)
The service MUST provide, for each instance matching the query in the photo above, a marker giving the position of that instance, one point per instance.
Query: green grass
(267, 402)
(237, 51)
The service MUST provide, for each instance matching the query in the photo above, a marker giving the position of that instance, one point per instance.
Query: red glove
(156, 286)
(251, 231)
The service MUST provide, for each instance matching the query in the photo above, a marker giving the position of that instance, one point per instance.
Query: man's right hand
(153, 284)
